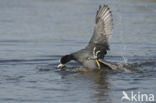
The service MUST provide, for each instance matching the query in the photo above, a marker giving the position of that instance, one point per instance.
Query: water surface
(34, 34)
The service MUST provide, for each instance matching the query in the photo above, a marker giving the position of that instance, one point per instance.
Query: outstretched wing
(102, 31)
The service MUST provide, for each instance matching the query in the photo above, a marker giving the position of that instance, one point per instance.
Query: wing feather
(102, 30)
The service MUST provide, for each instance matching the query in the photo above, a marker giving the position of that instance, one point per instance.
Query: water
(34, 34)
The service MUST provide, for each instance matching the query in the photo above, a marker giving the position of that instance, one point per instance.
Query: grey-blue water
(34, 34)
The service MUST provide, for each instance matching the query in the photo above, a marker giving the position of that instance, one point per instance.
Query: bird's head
(64, 60)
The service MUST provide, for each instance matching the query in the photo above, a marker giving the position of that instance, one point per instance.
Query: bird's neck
(65, 59)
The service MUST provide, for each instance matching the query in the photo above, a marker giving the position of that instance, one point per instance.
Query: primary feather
(102, 31)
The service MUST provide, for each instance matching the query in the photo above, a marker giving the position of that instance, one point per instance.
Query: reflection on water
(34, 34)
(102, 88)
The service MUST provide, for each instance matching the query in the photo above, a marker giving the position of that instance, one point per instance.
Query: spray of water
(124, 47)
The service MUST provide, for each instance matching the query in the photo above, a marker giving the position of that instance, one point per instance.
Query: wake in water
(129, 68)
(135, 64)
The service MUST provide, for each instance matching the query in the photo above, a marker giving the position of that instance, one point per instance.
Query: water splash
(125, 60)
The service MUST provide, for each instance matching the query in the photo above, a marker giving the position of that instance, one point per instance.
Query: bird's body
(84, 59)
(98, 45)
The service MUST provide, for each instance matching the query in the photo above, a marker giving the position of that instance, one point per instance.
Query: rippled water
(34, 34)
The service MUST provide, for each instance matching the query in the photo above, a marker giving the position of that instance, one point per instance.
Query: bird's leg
(110, 65)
